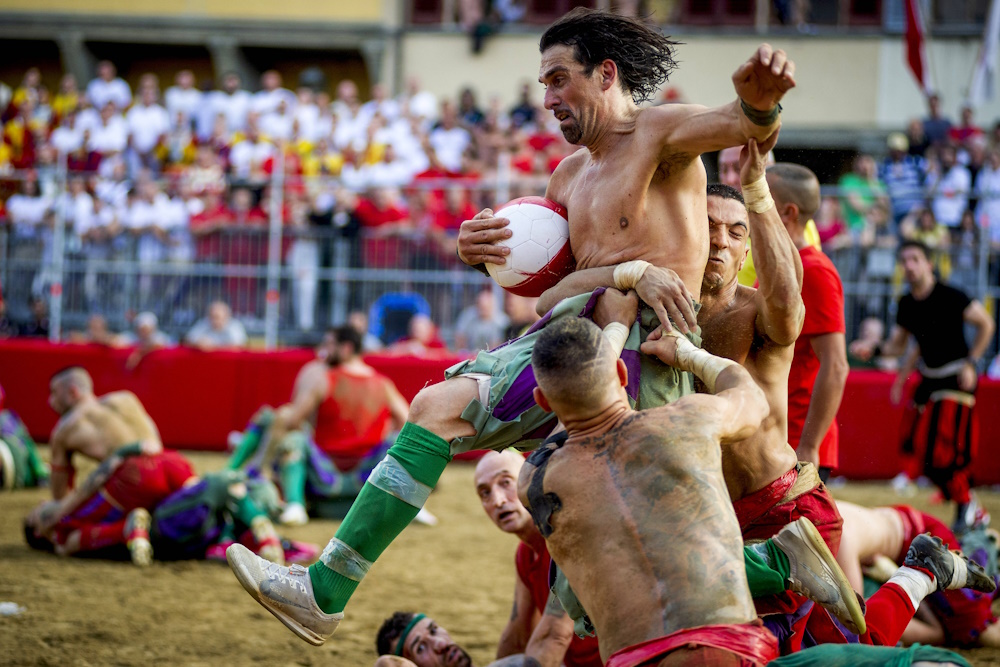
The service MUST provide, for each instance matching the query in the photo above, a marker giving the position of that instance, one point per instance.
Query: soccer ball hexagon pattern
(540, 252)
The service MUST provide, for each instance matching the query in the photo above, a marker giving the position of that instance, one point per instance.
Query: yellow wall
(287, 10)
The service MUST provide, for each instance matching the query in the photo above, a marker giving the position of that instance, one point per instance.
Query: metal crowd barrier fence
(286, 282)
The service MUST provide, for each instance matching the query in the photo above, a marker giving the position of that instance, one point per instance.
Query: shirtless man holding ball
(635, 194)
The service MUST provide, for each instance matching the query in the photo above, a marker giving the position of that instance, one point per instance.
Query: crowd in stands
(182, 175)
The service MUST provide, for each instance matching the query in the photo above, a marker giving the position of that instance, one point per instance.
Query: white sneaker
(425, 518)
(286, 592)
(816, 574)
(294, 515)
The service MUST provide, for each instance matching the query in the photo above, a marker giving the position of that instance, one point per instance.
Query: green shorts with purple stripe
(506, 415)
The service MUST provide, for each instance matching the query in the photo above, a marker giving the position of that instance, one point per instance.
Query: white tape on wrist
(757, 196)
(628, 274)
(617, 334)
(706, 366)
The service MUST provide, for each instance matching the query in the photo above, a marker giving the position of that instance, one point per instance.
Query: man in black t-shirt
(939, 421)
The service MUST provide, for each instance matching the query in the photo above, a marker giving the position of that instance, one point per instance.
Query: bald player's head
(795, 190)
(577, 371)
(496, 485)
(68, 387)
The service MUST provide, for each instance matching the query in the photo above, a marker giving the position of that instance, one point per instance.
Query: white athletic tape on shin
(757, 196)
(390, 476)
(914, 583)
(344, 560)
(628, 274)
(617, 334)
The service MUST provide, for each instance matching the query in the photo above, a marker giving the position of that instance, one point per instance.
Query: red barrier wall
(197, 397)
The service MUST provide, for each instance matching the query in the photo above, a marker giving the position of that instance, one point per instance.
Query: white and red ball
(540, 254)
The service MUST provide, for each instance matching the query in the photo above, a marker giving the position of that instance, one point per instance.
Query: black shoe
(931, 554)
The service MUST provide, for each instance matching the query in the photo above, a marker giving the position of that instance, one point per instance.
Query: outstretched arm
(738, 405)
(760, 84)
(779, 267)
(826, 393)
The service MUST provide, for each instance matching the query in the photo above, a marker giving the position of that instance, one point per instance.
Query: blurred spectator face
(994, 158)
(383, 198)
(967, 116)
(67, 84)
(485, 304)
(467, 101)
(934, 105)
(926, 221)
(149, 80)
(39, 308)
(106, 70)
(872, 329)
(727, 236)
(358, 321)
(864, 165)
(185, 79)
(29, 187)
(305, 95)
(231, 82)
(898, 145)
(242, 200)
(218, 315)
(729, 166)
(977, 149)
(421, 329)
(327, 347)
(379, 92)
(145, 326)
(521, 308)
(917, 268)
(148, 188)
(107, 112)
(76, 186)
(948, 156)
(915, 130)
(270, 80)
(455, 199)
(148, 96)
(347, 91)
(32, 78)
(205, 157)
(97, 328)
(323, 101)
(449, 116)
(968, 223)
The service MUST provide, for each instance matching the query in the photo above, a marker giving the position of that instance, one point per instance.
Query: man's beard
(572, 133)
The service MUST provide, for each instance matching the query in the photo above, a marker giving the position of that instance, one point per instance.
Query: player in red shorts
(961, 618)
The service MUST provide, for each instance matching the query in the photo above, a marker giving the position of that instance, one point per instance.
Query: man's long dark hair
(644, 56)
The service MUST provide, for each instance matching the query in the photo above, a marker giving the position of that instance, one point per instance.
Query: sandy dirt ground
(81, 612)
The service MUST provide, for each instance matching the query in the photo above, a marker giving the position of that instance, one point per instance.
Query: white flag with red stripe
(916, 45)
(984, 77)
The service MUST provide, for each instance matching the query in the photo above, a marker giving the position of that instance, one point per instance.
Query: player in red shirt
(819, 366)
(333, 432)
(538, 626)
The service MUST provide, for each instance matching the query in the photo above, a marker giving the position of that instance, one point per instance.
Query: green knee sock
(767, 569)
(293, 479)
(247, 448)
(376, 517)
(244, 509)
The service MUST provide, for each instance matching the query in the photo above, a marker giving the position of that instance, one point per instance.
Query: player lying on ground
(952, 617)
(635, 195)
(199, 514)
(407, 639)
(336, 428)
(20, 465)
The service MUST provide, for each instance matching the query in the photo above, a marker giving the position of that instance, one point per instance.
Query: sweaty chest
(729, 335)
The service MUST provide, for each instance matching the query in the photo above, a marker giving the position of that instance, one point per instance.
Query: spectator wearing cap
(217, 330)
(108, 87)
(903, 175)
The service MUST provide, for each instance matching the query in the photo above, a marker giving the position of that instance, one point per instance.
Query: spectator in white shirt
(150, 219)
(77, 209)
(278, 124)
(68, 137)
(110, 135)
(247, 157)
(418, 103)
(148, 127)
(306, 115)
(949, 185)
(232, 102)
(271, 93)
(108, 87)
(988, 189)
(217, 330)
(449, 140)
(27, 210)
(381, 104)
(182, 99)
(113, 187)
